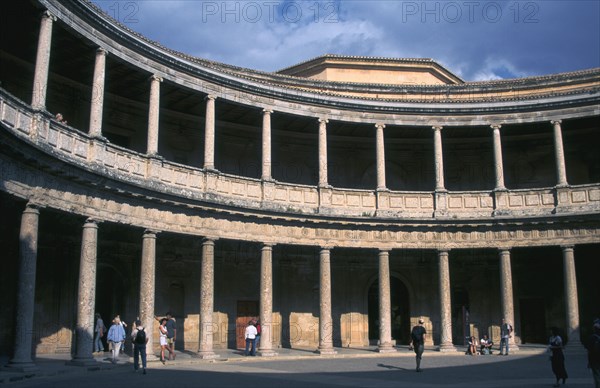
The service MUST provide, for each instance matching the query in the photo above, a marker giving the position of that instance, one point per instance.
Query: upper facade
(153, 123)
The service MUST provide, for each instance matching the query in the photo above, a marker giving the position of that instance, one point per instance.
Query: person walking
(250, 335)
(505, 333)
(116, 335)
(417, 336)
(162, 331)
(99, 331)
(555, 345)
(139, 339)
(593, 350)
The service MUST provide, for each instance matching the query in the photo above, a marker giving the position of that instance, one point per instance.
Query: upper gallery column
(84, 333)
(207, 299)
(153, 115)
(325, 320)
(98, 93)
(498, 164)
(266, 144)
(506, 289)
(28, 247)
(571, 299)
(147, 283)
(561, 170)
(445, 302)
(385, 304)
(323, 179)
(266, 301)
(380, 154)
(439, 159)
(42, 62)
(209, 133)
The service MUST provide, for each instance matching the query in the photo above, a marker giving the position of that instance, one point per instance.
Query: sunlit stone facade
(338, 212)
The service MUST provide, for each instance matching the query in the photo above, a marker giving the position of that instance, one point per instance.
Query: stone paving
(528, 367)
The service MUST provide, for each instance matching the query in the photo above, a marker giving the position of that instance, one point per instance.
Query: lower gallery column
(385, 304)
(571, 299)
(86, 299)
(325, 321)
(266, 301)
(147, 285)
(508, 309)
(207, 299)
(28, 243)
(445, 303)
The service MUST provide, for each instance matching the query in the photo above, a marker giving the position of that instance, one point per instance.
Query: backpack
(140, 337)
(257, 329)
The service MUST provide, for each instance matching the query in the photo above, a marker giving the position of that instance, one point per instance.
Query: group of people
(252, 336)
(484, 347)
(116, 337)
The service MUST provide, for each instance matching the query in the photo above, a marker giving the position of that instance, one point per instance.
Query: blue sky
(477, 40)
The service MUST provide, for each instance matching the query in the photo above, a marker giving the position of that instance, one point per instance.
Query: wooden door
(246, 311)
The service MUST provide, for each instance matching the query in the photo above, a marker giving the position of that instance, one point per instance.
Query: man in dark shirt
(171, 335)
(417, 335)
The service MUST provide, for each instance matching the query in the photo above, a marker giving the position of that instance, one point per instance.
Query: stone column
(385, 304)
(571, 299)
(498, 165)
(323, 178)
(153, 115)
(266, 145)
(325, 320)
(207, 299)
(506, 289)
(42, 62)
(380, 154)
(561, 170)
(98, 94)
(266, 301)
(28, 244)
(86, 299)
(445, 303)
(147, 284)
(439, 159)
(209, 133)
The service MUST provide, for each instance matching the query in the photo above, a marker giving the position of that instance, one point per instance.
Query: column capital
(92, 221)
(567, 247)
(46, 14)
(327, 248)
(32, 206)
(267, 111)
(443, 251)
(209, 240)
(155, 77)
(101, 51)
(437, 128)
(504, 249)
(267, 245)
(379, 125)
(323, 120)
(554, 122)
(384, 250)
(496, 127)
(150, 233)
(210, 97)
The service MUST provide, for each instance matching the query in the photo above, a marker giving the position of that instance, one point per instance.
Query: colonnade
(95, 126)
(29, 234)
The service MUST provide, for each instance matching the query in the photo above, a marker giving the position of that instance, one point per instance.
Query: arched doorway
(400, 311)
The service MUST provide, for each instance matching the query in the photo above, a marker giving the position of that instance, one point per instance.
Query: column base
(386, 348)
(267, 353)
(446, 348)
(23, 367)
(208, 355)
(326, 351)
(82, 362)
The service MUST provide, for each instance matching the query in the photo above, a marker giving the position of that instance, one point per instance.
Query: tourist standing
(116, 335)
(505, 334)
(250, 335)
(593, 348)
(99, 331)
(555, 345)
(139, 339)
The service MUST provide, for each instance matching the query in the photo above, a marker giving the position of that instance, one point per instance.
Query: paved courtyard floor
(530, 367)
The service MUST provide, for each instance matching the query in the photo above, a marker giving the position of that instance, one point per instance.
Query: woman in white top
(163, 338)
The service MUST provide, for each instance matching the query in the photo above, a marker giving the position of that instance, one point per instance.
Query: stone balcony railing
(107, 161)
